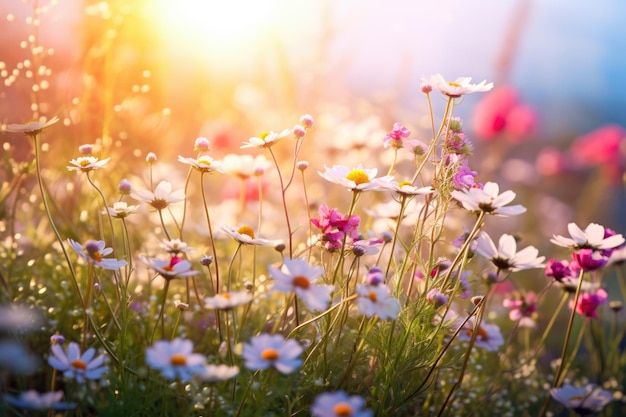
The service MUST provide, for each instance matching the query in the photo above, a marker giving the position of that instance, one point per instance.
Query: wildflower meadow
(322, 268)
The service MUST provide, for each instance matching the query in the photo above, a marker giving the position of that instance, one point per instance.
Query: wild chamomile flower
(120, 210)
(375, 300)
(245, 235)
(175, 359)
(458, 87)
(203, 163)
(216, 373)
(87, 163)
(273, 350)
(77, 366)
(339, 404)
(296, 275)
(31, 128)
(265, 140)
(585, 400)
(94, 252)
(175, 267)
(357, 179)
(593, 237)
(162, 196)
(505, 256)
(227, 300)
(175, 246)
(488, 336)
(488, 200)
(33, 400)
(405, 188)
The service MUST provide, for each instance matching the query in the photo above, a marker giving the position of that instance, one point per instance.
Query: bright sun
(217, 25)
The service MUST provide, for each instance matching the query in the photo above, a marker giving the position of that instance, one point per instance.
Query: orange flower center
(358, 176)
(246, 230)
(83, 162)
(372, 296)
(225, 295)
(482, 333)
(269, 354)
(159, 203)
(302, 282)
(178, 360)
(342, 409)
(79, 364)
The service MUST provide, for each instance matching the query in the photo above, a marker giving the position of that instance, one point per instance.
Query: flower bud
(151, 158)
(302, 165)
(306, 120)
(57, 339)
(299, 131)
(477, 299)
(279, 247)
(206, 260)
(124, 187)
(86, 149)
(202, 144)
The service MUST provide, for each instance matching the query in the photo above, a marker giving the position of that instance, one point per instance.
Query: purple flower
(464, 178)
(273, 350)
(589, 259)
(558, 270)
(396, 136)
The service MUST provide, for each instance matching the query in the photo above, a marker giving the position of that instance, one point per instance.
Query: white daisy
(267, 350)
(357, 179)
(87, 163)
(589, 399)
(95, 251)
(339, 404)
(245, 166)
(120, 210)
(217, 373)
(175, 246)
(488, 200)
(375, 300)
(203, 163)
(590, 238)
(296, 275)
(246, 236)
(458, 87)
(265, 140)
(176, 267)
(405, 188)
(77, 366)
(31, 128)
(227, 300)
(488, 336)
(33, 400)
(505, 257)
(175, 359)
(162, 196)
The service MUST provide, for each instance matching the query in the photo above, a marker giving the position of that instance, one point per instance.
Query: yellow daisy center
(204, 160)
(79, 364)
(269, 354)
(264, 135)
(342, 409)
(403, 183)
(302, 282)
(358, 176)
(178, 360)
(372, 296)
(84, 162)
(453, 84)
(246, 230)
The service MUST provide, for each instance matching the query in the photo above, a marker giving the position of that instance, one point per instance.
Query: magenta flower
(590, 260)
(589, 302)
(522, 309)
(558, 270)
(395, 137)
(334, 226)
(464, 177)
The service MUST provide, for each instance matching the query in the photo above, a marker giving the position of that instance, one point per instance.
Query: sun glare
(219, 26)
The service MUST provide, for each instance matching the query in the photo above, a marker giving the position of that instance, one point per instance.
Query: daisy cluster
(255, 285)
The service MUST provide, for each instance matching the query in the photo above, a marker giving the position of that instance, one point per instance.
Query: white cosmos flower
(227, 300)
(120, 210)
(488, 336)
(405, 188)
(175, 359)
(31, 128)
(590, 238)
(273, 350)
(175, 267)
(217, 373)
(77, 366)
(203, 163)
(245, 166)
(265, 140)
(589, 399)
(505, 257)
(175, 246)
(95, 251)
(458, 87)
(488, 200)
(296, 275)
(87, 163)
(162, 196)
(246, 236)
(375, 300)
(357, 179)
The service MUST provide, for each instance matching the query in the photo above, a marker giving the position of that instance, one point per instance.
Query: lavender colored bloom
(559, 270)
(464, 178)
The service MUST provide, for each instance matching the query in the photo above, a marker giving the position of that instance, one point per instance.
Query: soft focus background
(152, 75)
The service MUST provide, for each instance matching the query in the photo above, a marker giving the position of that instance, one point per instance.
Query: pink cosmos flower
(590, 260)
(589, 302)
(395, 138)
(522, 309)
(490, 114)
(601, 147)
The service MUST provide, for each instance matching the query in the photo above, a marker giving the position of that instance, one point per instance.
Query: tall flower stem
(283, 192)
(161, 312)
(208, 220)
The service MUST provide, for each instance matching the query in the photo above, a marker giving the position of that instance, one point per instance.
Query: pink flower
(334, 226)
(522, 309)
(551, 161)
(395, 137)
(588, 303)
(590, 260)
(562, 269)
(490, 114)
(601, 147)
(521, 122)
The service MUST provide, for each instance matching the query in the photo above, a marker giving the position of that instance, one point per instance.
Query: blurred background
(152, 75)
